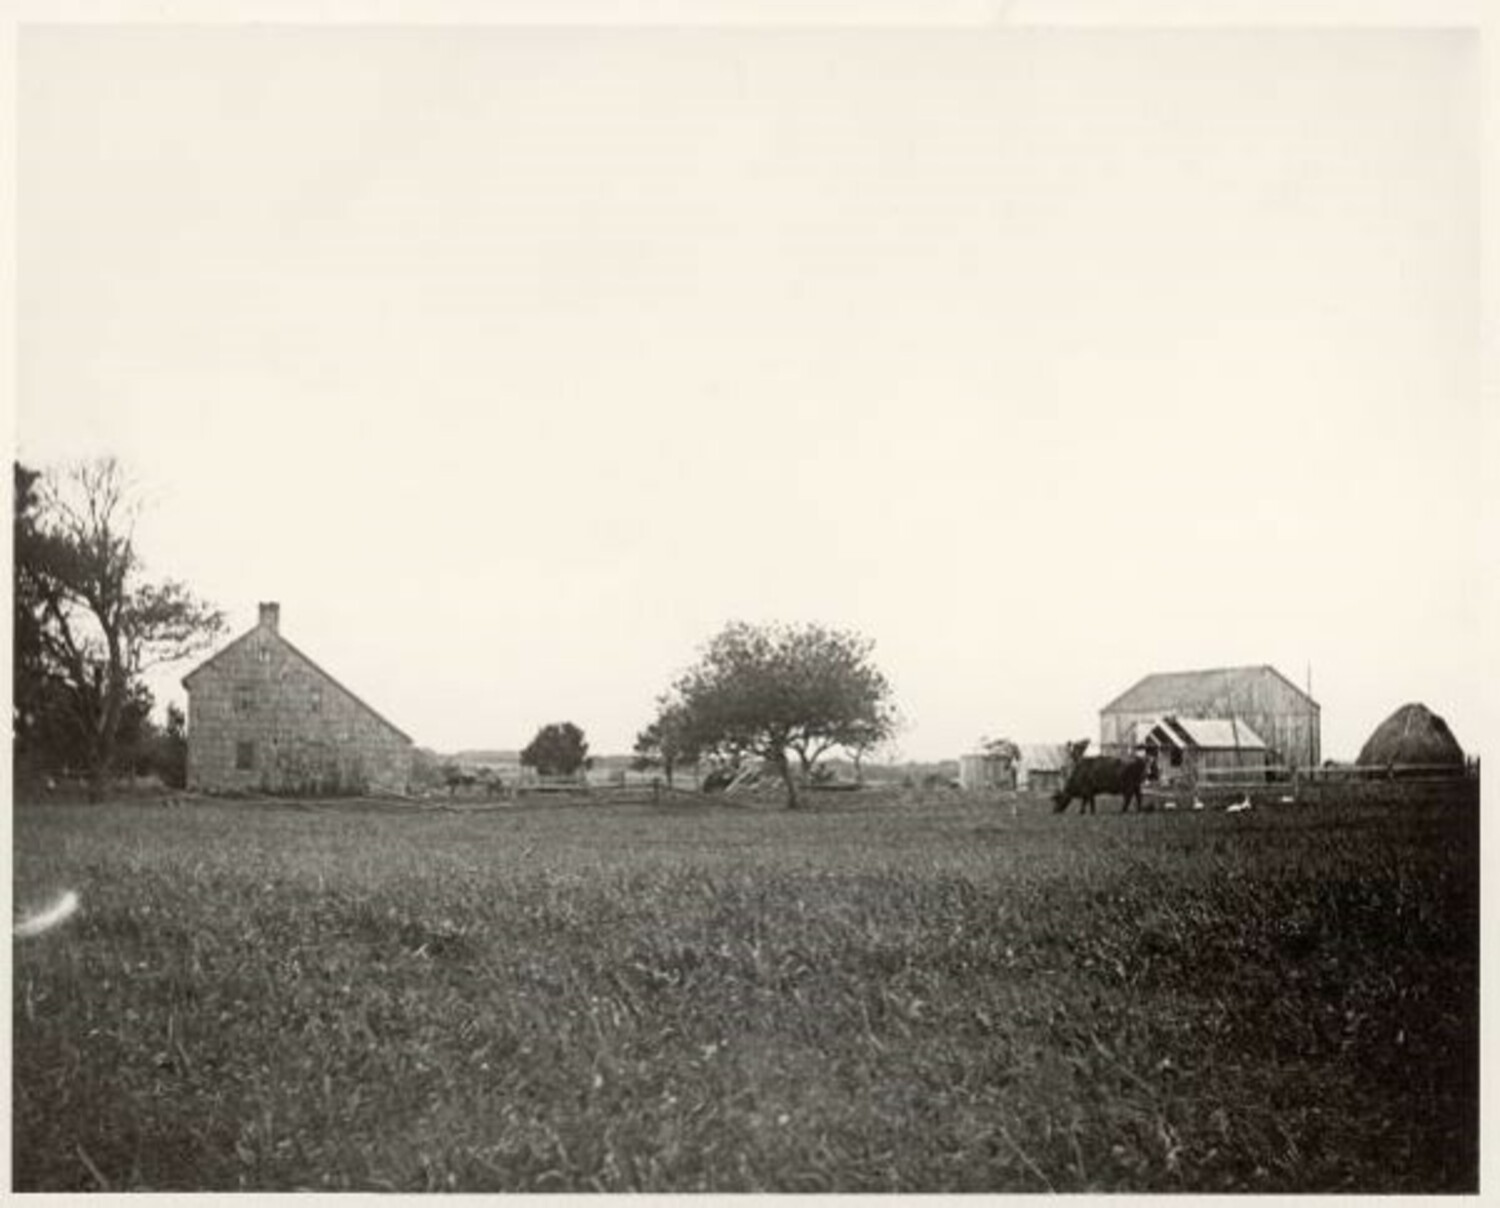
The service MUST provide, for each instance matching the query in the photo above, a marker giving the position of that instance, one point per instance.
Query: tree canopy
(88, 623)
(777, 690)
(559, 749)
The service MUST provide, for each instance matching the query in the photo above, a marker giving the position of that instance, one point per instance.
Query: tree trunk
(784, 766)
(101, 756)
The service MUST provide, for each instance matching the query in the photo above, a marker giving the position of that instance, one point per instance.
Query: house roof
(1205, 733)
(1167, 691)
(215, 657)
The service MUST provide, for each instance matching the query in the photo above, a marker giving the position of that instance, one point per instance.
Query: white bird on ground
(1239, 807)
(1197, 804)
(1169, 804)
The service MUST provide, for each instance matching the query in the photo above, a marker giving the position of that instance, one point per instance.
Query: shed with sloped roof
(1043, 766)
(1181, 748)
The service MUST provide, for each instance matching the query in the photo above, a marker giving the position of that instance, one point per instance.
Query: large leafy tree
(93, 623)
(559, 749)
(778, 691)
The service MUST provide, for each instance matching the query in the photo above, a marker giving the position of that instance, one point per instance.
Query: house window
(244, 756)
(244, 698)
(263, 653)
(317, 699)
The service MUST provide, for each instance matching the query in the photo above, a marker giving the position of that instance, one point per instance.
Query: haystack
(1412, 734)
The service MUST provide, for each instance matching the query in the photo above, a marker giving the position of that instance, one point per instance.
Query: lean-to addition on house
(263, 716)
(1284, 719)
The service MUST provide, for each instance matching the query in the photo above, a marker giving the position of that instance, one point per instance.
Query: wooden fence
(1273, 782)
(571, 790)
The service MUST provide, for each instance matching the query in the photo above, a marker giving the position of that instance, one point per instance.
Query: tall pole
(1314, 748)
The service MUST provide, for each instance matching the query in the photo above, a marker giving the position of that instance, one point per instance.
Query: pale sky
(514, 362)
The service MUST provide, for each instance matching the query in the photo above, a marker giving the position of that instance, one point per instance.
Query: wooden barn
(1282, 715)
(263, 716)
(1181, 748)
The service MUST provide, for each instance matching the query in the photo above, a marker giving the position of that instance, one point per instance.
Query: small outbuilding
(1181, 749)
(1413, 736)
(982, 770)
(1043, 767)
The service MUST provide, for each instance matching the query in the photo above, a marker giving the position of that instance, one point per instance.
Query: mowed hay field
(879, 994)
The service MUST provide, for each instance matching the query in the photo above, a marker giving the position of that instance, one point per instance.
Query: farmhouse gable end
(225, 657)
(264, 716)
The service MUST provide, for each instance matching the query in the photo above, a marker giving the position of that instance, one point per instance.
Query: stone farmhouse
(263, 716)
(1284, 719)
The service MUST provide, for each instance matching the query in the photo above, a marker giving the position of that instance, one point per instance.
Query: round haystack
(1412, 734)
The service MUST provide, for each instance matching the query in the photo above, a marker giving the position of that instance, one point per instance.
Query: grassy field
(875, 995)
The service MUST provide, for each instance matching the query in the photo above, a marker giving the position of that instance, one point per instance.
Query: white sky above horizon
(514, 362)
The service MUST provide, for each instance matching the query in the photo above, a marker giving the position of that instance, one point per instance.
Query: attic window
(317, 699)
(263, 653)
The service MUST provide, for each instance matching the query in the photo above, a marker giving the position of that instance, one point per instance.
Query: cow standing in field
(1095, 774)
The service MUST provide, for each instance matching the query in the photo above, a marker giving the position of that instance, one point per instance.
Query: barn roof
(1205, 733)
(1183, 691)
(261, 629)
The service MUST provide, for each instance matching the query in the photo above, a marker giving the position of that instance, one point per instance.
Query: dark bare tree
(96, 622)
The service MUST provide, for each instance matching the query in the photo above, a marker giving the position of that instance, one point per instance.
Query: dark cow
(1094, 774)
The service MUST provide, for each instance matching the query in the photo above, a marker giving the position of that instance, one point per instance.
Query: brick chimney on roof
(270, 616)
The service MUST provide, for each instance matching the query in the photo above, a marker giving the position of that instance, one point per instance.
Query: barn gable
(1175, 691)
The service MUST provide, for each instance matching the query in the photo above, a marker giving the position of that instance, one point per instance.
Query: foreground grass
(920, 997)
